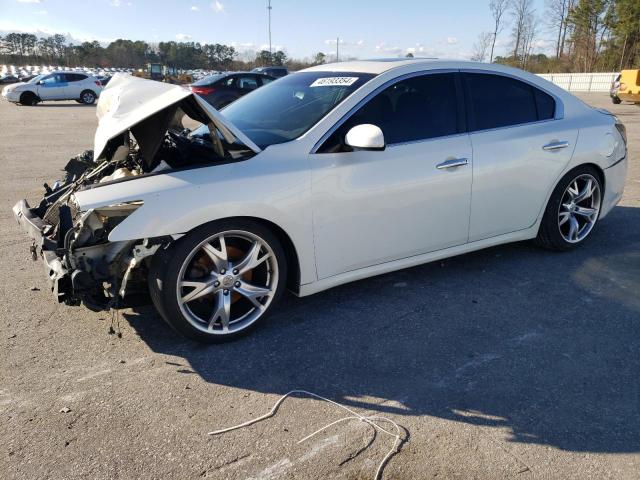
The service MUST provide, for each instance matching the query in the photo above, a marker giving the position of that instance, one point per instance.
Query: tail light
(98, 83)
(202, 90)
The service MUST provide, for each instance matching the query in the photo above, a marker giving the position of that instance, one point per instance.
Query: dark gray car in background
(223, 88)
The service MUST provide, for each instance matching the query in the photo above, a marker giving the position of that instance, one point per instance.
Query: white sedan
(61, 85)
(327, 176)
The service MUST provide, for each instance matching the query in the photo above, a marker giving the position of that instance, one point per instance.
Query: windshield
(35, 79)
(285, 109)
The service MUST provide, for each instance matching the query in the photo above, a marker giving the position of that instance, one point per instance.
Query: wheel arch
(29, 92)
(88, 90)
(537, 224)
(293, 259)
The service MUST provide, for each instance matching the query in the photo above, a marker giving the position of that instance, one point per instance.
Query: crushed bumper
(59, 279)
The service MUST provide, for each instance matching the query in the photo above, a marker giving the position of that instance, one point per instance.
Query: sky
(366, 28)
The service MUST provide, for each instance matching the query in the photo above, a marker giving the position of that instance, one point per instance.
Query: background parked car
(222, 89)
(104, 79)
(76, 86)
(273, 71)
(26, 78)
(8, 79)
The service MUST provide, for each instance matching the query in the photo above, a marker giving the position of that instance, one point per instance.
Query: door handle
(555, 145)
(454, 162)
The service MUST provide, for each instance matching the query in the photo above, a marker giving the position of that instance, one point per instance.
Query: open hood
(146, 107)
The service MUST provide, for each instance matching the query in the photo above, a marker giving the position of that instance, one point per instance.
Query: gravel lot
(510, 362)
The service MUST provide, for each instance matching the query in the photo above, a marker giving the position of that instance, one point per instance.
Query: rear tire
(87, 97)
(573, 210)
(220, 281)
(29, 99)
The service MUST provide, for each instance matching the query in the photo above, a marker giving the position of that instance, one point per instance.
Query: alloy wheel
(227, 282)
(579, 208)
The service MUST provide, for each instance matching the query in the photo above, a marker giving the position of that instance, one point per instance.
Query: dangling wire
(397, 442)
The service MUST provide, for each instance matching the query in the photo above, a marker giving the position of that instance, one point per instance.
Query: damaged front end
(140, 133)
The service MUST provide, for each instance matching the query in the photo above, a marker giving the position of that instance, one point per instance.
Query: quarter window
(417, 108)
(497, 101)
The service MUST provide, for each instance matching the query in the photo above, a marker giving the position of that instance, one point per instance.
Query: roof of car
(380, 65)
(68, 71)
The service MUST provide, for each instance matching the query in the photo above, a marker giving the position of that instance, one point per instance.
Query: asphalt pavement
(512, 362)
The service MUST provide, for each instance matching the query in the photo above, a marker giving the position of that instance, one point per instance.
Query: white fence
(582, 82)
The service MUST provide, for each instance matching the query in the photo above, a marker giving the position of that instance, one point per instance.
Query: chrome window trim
(424, 140)
(373, 93)
(515, 125)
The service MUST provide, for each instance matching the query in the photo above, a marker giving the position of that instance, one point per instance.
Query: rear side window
(248, 82)
(495, 101)
(74, 77)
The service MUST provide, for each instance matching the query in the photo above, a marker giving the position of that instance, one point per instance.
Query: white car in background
(59, 85)
(325, 176)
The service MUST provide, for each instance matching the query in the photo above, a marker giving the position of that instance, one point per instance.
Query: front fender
(177, 202)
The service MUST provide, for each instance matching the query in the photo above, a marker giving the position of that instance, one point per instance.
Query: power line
(269, 9)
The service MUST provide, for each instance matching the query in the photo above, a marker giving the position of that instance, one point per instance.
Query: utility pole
(270, 51)
(337, 49)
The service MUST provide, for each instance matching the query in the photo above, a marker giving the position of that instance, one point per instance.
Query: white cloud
(244, 46)
(29, 1)
(217, 6)
(183, 36)
(274, 48)
(386, 49)
(451, 40)
(194, 9)
(41, 12)
(119, 3)
(345, 44)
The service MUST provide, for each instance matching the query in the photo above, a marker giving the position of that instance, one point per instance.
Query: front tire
(573, 210)
(29, 99)
(220, 281)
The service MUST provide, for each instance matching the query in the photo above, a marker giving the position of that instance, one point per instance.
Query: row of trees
(589, 35)
(26, 48)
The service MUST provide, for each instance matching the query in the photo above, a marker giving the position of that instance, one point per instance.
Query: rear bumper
(614, 179)
(33, 226)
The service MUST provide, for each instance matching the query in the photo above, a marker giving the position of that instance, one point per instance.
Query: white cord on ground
(354, 415)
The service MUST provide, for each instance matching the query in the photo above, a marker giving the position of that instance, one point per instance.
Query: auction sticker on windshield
(334, 82)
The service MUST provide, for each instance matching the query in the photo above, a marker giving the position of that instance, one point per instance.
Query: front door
(52, 87)
(371, 207)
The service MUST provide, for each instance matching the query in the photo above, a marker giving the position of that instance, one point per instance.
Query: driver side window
(50, 80)
(413, 109)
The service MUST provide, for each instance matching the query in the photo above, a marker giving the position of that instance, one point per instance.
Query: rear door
(76, 82)
(520, 144)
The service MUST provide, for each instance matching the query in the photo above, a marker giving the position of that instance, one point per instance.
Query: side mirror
(40, 82)
(365, 137)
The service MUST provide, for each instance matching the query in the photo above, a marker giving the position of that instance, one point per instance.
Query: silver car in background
(62, 85)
